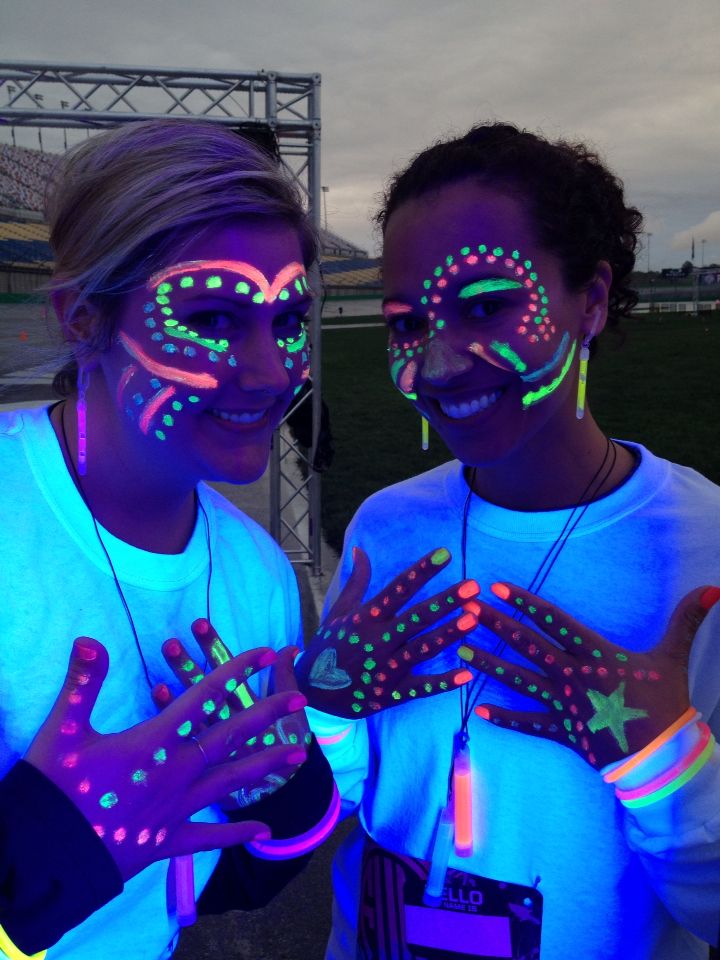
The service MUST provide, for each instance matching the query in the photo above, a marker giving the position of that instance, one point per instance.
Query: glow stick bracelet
(425, 431)
(9, 949)
(432, 895)
(674, 785)
(462, 804)
(627, 765)
(303, 842)
(671, 773)
(334, 737)
(185, 890)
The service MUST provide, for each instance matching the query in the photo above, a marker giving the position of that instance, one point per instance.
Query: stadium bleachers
(24, 239)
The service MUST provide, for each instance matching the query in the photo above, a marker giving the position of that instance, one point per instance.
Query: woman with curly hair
(564, 803)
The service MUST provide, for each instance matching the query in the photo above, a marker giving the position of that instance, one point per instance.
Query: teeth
(459, 411)
(239, 417)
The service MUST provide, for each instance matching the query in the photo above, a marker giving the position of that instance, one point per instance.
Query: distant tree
(686, 268)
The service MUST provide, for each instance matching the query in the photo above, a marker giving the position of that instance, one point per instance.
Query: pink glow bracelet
(672, 772)
(680, 781)
(303, 842)
(335, 737)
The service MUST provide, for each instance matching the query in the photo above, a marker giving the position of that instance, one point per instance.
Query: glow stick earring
(582, 370)
(83, 382)
(582, 378)
(425, 433)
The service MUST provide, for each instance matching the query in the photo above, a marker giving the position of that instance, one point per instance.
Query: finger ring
(202, 751)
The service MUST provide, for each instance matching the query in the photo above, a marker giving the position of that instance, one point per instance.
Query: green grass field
(661, 387)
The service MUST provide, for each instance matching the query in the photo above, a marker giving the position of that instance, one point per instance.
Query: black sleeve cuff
(241, 881)
(54, 870)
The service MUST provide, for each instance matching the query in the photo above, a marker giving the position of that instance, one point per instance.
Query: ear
(76, 318)
(596, 300)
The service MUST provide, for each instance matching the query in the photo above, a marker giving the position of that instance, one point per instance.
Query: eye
(484, 308)
(290, 324)
(211, 320)
(406, 323)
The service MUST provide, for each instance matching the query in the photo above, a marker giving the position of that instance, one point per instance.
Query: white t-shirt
(615, 884)
(57, 585)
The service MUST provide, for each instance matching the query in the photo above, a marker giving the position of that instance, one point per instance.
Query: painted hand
(138, 788)
(360, 660)
(291, 729)
(599, 699)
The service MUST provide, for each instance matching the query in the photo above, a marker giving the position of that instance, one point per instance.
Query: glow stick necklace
(183, 865)
(455, 823)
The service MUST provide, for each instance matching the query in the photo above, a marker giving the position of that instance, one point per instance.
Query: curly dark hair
(578, 205)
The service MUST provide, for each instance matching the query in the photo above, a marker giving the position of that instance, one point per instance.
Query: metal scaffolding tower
(75, 99)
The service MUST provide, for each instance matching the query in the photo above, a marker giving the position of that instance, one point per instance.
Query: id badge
(477, 917)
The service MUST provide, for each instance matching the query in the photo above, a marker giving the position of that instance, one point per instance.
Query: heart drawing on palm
(326, 674)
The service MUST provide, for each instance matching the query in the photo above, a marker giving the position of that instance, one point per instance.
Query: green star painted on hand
(611, 713)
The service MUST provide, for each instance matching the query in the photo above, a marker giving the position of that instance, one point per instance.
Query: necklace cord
(109, 559)
(470, 693)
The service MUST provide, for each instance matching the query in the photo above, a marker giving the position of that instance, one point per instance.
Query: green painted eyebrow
(490, 285)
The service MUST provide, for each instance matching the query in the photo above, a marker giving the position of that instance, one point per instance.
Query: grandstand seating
(24, 240)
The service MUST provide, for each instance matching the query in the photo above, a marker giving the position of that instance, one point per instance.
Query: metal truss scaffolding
(69, 100)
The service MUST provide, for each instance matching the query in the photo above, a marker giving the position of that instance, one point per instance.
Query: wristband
(669, 788)
(627, 765)
(671, 773)
(333, 737)
(303, 842)
(8, 949)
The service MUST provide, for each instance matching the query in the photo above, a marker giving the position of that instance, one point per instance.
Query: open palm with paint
(360, 661)
(603, 701)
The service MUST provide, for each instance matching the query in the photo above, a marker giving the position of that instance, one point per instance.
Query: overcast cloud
(640, 79)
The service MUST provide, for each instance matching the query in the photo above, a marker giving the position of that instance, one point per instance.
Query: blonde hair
(120, 203)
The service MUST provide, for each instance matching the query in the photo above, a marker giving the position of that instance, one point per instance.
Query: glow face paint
(523, 340)
(191, 313)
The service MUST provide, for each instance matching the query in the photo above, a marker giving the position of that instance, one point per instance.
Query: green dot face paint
(192, 313)
(501, 300)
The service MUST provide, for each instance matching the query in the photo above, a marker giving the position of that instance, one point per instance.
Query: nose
(442, 362)
(261, 364)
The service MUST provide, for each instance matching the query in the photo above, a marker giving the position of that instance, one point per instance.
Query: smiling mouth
(228, 417)
(468, 408)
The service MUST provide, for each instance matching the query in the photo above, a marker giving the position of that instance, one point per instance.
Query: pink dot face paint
(191, 314)
(482, 309)
(211, 349)
(519, 346)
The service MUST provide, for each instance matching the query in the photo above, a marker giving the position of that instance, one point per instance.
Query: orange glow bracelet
(627, 765)
(673, 778)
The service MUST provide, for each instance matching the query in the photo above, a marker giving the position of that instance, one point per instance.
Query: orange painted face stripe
(200, 381)
(270, 290)
(127, 376)
(153, 405)
(393, 308)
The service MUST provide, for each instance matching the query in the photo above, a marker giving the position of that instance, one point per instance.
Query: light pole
(38, 98)
(64, 105)
(702, 253)
(325, 191)
(648, 235)
(11, 90)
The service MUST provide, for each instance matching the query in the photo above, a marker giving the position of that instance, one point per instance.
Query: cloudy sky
(640, 79)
